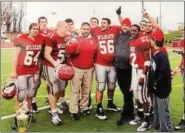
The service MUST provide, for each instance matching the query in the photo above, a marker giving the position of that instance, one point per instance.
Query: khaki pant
(82, 83)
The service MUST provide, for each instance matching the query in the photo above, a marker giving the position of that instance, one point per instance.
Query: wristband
(147, 63)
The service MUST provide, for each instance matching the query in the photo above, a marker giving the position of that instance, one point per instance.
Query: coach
(83, 64)
(123, 69)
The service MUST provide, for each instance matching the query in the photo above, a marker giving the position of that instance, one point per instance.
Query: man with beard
(82, 60)
(123, 69)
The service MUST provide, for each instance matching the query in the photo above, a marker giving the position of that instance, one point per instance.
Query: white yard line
(41, 108)
(5, 75)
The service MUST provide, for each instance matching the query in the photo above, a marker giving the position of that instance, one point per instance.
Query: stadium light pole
(142, 6)
(160, 15)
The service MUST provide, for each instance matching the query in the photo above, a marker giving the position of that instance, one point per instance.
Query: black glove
(118, 11)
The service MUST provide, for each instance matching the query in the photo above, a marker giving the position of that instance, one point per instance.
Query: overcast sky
(172, 12)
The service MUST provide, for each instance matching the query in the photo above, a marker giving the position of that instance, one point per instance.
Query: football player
(26, 67)
(94, 22)
(181, 68)
(139, 57)
(153, 28)
(45, 32)
(54, 54)
(104, 68)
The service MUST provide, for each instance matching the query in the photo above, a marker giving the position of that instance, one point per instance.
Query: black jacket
(159, 78)
(122, 50)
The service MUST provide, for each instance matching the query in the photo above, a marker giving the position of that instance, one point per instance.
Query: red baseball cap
(158, 36)
(126, 21)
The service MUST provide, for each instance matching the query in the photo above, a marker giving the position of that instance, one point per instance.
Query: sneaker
(89, 107)
(113, 107)
(144, 126)
(100, 113)
(47, 100)
(55, 119)
(136, 121)
(74, 116)
(180, 126)
(34, 108)
(63, 106)
(85, 112)
(14, 124)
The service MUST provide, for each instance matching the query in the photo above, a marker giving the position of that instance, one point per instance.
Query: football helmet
(9, 90)
(65, 72)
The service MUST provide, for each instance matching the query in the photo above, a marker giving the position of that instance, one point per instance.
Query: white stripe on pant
(162, 114)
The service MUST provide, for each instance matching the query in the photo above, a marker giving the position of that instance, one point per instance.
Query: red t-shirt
(106, 40)
(137, 57)
(58, 53)
(85, 58)
(28, 59)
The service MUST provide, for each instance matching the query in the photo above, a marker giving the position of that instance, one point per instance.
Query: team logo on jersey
(61, 45)
(34, 47)
(109, 36)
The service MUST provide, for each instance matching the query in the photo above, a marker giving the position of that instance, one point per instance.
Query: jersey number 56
(106, 46)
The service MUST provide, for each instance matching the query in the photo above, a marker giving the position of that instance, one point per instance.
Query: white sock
(141, 110)
(54, 110)
(34, 100)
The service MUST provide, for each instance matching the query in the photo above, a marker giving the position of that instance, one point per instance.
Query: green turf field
(86, 123)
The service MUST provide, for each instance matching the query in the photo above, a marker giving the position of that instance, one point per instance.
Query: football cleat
(113, 107)
(74, 116)
(136, 121)
(63, 106)
(100, 113)
(180, 126)
(55, 119)
(144, 126)
(85, 112)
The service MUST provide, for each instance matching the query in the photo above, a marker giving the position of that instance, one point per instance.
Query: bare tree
(7, 13)
(15, 17)
(21, 15)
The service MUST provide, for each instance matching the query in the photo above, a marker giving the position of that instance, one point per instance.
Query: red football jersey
(46, 33)
(137, 58)
(106, 40)
(29, 56)
(58, 44)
